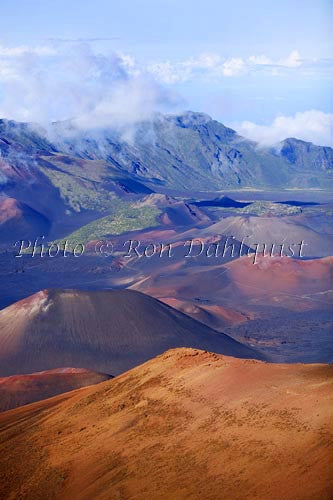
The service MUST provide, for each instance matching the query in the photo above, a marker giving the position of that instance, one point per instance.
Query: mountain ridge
(184, 151)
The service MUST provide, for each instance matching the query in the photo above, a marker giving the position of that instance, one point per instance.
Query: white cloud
(170, 73)
(73, 81)
(7, 71)
(313, 126)
(24, 49)
(126, 104)
(214, 66)
(59, 82)
(293, 60)
(260, 60)
(233, 66)
(205, 66)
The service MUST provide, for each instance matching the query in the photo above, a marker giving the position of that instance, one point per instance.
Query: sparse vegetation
(79, 194)
(262, 208)
(266, 208)
(127, 217)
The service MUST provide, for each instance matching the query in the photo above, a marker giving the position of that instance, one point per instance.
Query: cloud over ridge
(46, 84)
(58, 81)
(312, 126)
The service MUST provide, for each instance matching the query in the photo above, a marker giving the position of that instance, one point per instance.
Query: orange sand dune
(186, 425)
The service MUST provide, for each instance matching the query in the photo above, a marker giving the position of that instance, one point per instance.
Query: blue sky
(246, 63)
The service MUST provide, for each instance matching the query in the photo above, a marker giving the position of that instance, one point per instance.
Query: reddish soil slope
(186, 425)
(305, 283)
(19, 221)
(290, 283)
(19, 390)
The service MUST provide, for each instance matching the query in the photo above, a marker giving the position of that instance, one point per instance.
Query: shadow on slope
(104, 331)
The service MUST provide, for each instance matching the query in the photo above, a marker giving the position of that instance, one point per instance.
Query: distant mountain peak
(188, 119)
(188, 150)
(301, 153)
(294, 140)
